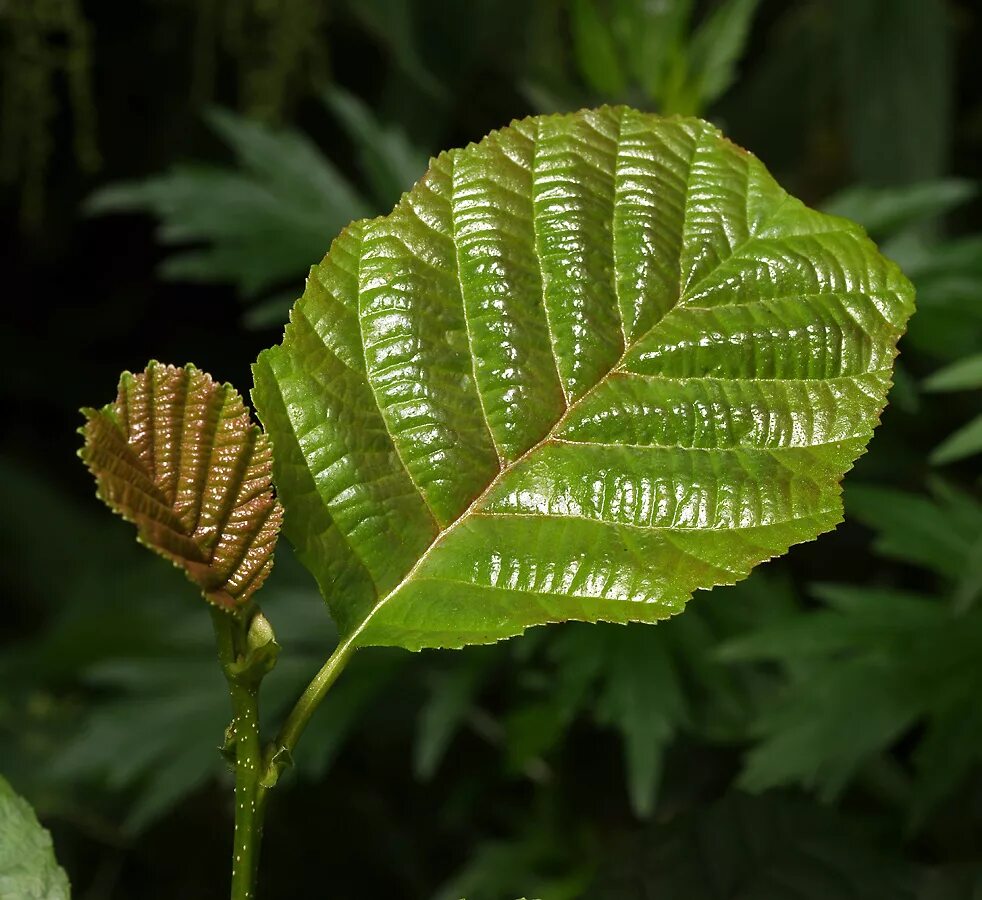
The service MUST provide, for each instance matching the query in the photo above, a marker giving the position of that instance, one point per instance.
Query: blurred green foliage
(812, 732)
(259, 225)
(42, 42)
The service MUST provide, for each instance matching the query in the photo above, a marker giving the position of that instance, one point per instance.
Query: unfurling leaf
(28, 870)
(585, 367)
(178, 455)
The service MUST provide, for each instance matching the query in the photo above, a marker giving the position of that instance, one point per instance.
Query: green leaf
(652, 35)
(870, 692)
(585, 367)
(452, 697)
(884, 211)
(918, 529)
(962, 375)
(965, 442)
(866, 664)
(394, 24)
(948, 278)
(547, 859)
(642, 698)
(755, 848)
(896, 86)
(597, 53)
(148, 707)
(650, 684)
(153, 732)
(390, 162)
(179, 457)
(28, 869)
(261, 224)
(577, 658)
(716, 48)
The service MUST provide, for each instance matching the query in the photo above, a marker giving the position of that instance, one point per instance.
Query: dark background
(782, 739)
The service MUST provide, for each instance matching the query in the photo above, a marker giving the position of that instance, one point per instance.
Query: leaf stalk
(279, 755)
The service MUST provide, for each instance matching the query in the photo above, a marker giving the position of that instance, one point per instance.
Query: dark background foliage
(170, 170)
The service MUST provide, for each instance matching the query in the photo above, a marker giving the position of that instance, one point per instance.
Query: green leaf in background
(154, 722)
(153, 733)
(391, 163)
(965, 442)
(963, 375)
(643, 699)
(587, 366)
(453, 692)
(598, 55)
(652, 37)
(139, 730)
(939, 533)
(957, 881)
(758, 848)
(650, 685)
(28, 869)
(179, 456)
(948, 278)
(260, 224)
(547, 859)
(630, 680)
(946, 272)
(623, 48)
(866, 663)
(886, 211)
(800, 735)
(895, 89)
(714, 51)
(394, 23)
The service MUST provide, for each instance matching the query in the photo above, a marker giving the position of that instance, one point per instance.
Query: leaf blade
(28, 868)
(961, 444)
(665, 271)
(177, 455)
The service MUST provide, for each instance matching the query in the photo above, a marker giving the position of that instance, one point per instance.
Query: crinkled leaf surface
(585, 367)
(178, 455)
(28, 870)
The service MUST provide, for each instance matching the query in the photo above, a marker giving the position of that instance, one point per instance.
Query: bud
(260, 632)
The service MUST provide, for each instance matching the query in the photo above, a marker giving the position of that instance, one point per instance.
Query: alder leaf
(178, 455)
(28, 870)
(585, 367)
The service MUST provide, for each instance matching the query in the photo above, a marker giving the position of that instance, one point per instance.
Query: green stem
(248, 814)
(282, 750)
(254, 772)
(244, 732)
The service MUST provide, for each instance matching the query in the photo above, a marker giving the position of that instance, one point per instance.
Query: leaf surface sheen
(585, 367)
(178, 455)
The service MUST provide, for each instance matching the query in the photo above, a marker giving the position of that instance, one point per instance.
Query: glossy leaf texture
(585, 367)
(178, 455)
(28, 869)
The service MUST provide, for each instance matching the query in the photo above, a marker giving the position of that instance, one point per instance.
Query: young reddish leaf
(179, 457)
